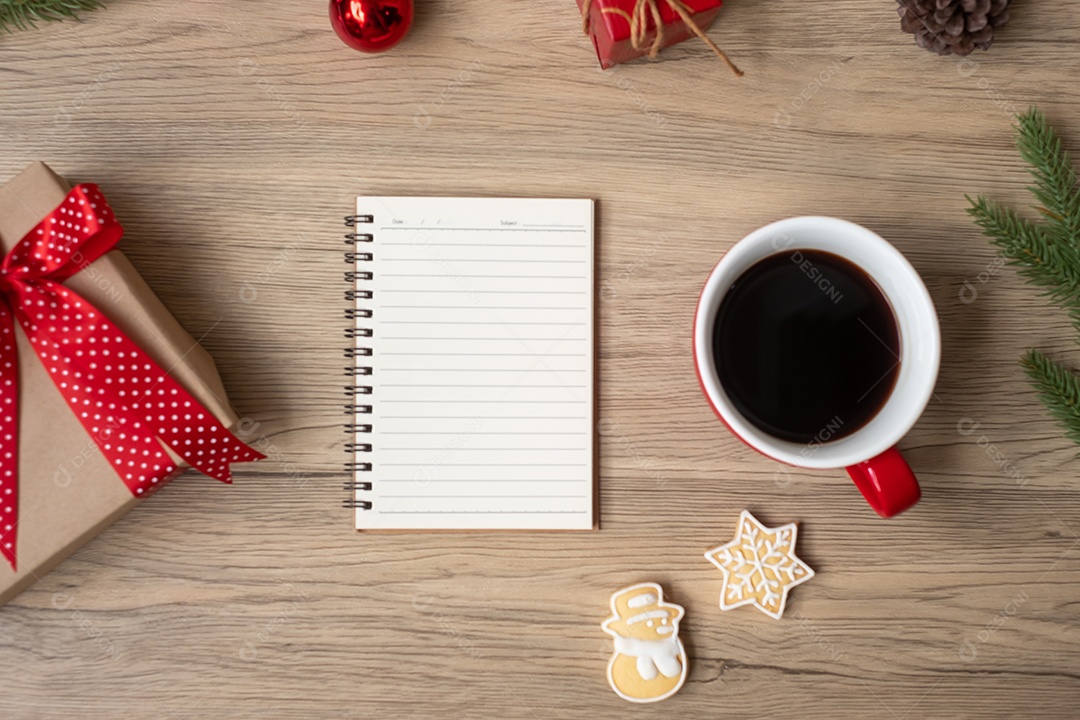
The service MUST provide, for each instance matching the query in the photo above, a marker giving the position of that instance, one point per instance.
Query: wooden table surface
(231, 138)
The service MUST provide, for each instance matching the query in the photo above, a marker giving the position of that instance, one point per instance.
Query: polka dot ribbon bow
(126, 402)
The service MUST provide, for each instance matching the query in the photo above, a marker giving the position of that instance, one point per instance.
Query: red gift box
(622, 30)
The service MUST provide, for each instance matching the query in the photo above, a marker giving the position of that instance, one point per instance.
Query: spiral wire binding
(356, 392)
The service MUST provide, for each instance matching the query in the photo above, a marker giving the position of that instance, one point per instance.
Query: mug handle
(887, 483)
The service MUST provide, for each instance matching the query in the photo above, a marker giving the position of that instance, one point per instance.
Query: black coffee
(806, 346)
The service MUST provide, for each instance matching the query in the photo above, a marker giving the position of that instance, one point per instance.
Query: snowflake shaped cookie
(759, 566)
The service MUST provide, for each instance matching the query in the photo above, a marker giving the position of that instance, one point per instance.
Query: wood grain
(231, 137)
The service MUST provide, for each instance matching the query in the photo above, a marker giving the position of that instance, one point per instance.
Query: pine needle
(1058, 388)
(25, 14)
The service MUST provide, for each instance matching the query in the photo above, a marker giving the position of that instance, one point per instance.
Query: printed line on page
(516, 228)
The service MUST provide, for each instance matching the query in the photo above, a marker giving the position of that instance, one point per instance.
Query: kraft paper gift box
(68, 491)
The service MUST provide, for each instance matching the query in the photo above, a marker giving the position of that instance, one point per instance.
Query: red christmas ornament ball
(371, 25)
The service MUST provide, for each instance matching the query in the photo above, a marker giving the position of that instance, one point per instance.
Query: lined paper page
(482, 364)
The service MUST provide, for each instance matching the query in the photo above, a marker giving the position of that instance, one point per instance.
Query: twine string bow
(638, 18)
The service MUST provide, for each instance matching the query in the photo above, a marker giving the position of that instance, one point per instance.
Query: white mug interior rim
(917, 321)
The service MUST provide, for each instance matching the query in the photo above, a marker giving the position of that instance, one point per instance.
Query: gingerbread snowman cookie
(649, 662)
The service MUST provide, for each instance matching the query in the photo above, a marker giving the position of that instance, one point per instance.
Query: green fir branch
(1042, 258)
(25, 14)
(1047, 253)
(1058, 388)
(1055, 180)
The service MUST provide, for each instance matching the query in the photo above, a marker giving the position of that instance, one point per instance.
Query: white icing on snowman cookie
(649, 663)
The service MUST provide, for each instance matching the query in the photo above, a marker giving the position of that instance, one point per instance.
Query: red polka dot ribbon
(130, 406)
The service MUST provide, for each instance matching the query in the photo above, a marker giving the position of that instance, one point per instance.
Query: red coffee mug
(869, 454)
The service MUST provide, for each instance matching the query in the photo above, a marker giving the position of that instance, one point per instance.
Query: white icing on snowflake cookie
(649, 663)
(759, 566)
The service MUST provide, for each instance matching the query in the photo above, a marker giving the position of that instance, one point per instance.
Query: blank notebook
(473, 364)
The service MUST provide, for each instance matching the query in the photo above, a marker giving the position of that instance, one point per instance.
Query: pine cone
(953, 26)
